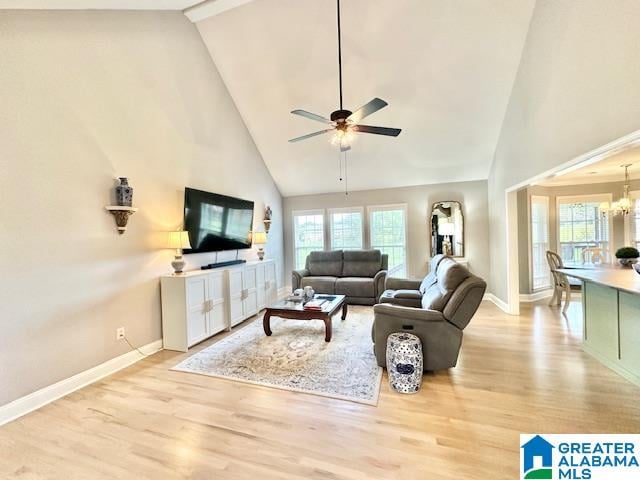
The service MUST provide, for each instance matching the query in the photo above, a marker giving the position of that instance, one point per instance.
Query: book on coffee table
(314, 304)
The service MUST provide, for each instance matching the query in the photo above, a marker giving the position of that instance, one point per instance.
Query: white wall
(86, 97)
(472, 195)
(576, 89)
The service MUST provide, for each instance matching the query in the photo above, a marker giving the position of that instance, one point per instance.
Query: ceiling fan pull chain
(346, 178)
(340, 165)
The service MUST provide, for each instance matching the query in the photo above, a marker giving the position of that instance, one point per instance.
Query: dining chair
(595, 255)
(560, 281)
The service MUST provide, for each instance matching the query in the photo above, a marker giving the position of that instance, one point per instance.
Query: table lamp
(178, 240)
(446, 229)
(260, 238)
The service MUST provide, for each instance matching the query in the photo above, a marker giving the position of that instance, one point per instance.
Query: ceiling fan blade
(312, 116)
(391, 132)
(309, 135)
(366, 110)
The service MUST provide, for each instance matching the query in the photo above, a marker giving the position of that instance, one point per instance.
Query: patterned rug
(297, 358)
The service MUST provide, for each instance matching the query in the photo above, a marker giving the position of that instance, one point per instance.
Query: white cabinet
(192, 309)
(261, 287)
(236, 295)
(199, 304)
(266, 284)
(250, 284)
(217, 313)
(270, 286)
(197, 309)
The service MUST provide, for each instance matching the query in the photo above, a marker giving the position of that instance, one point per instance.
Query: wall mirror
(447, 229)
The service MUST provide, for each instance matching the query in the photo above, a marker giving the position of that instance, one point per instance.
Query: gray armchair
(358, 274)
(437, 309)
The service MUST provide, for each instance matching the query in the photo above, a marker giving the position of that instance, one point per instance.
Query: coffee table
(296, 311)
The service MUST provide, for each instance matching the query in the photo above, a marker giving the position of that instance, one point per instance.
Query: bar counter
(611, 317)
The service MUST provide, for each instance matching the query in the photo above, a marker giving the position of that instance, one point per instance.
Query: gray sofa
(358, 274)
(436, 309)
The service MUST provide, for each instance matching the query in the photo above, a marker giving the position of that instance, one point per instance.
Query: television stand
(222, 264)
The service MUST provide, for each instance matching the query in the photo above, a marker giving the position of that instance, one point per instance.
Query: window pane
(540, 242)
(388, 235)
(581, 226)
(346, 230)
(308, 236)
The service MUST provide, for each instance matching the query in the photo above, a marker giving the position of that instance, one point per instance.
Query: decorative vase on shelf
(124, 193)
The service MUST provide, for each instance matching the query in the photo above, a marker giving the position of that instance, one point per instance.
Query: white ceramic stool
(404, 362)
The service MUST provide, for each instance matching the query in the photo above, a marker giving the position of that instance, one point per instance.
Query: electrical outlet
(120, 333)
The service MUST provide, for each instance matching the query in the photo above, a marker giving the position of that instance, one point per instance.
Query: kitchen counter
(625, 279)
(611, 317)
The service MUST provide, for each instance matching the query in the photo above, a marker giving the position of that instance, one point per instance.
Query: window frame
(303, 213)
(390, 207)
(547, 203)
(593, 197)
(329, 219)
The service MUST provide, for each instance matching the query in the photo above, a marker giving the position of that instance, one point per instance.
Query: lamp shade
(259, 238)
(445, 229)
(179, 240)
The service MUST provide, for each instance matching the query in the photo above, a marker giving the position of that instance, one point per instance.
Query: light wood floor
(515, 374)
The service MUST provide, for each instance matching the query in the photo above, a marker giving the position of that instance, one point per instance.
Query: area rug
(296, 357)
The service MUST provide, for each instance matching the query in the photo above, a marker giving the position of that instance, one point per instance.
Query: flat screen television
(216, 222)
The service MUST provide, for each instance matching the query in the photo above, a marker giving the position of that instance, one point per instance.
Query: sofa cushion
(325, 263)
(355, 287)
(449, 276)
(321, 284)
(434, 299)
(361, 263)
(388, 296)
(407, 294)
(430, 279)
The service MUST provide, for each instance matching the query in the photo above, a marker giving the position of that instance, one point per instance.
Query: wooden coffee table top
(334, 302)
(296, 311)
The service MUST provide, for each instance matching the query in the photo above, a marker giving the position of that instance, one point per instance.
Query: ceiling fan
(344, 123)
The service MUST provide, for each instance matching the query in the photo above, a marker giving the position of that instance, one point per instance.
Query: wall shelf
(121, 215)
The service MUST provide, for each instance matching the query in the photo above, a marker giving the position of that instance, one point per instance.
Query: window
(632, 222)
(539, 242)
(581, 225)
(345, 226)
(388, 233)
(308, 235)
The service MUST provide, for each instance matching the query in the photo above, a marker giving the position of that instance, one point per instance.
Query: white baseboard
(42, 397)
(534, 297)
(496, 301)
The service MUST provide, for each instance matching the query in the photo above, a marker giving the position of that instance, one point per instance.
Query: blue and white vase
(124, 193)
(404, 362)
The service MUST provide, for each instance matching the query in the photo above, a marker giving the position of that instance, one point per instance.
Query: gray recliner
(436, 309)
(358, 274)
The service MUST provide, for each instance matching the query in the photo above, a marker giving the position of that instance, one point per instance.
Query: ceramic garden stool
(404, 362)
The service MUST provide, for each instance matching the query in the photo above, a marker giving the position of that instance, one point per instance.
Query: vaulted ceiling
(446, 67)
